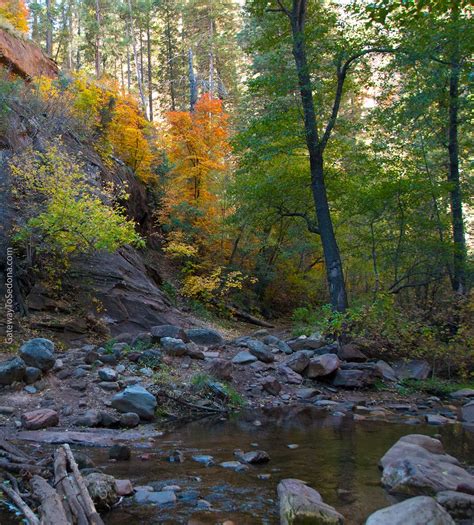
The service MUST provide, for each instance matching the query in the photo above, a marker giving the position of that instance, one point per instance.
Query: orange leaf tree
(198, 147)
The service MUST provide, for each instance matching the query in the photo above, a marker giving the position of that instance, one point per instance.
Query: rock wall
(24, 58)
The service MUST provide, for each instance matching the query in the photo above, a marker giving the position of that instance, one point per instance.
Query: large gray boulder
(167, 330)
(205, 336)
(39, 353)
(12, 370)
(298, 361)
(322, 366)
(467, 412)
(418, 465)
(306, 343)
(173, 346)
(421, 510)
(136, 399)
(260, 350)
(301, 504)
(459, 504)
(357, 375)
(414, 369)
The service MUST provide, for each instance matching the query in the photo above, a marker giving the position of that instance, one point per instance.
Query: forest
(249, 208)
(295, 156)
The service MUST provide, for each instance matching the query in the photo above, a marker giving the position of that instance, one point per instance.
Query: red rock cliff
(24, 57)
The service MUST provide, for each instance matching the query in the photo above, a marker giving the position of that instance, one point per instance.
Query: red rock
(24, 57)
(42, 418)
(123, 487)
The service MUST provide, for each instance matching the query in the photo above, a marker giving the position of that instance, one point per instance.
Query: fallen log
(51, 508)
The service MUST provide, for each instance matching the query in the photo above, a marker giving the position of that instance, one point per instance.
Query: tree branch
(303, 215)
(342, 70)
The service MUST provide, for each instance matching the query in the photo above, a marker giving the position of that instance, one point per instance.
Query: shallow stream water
(335, 455)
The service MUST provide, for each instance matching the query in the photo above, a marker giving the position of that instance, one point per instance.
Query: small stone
(91, 418)
(293, 446)
(243, 358)
(32, 374)
(129, 419)
(234, 465)
(174, 488)
(205, 336)
(102, 489)
(221, 369)
(264, 477)
(109, 420)
(254, 457)
(437, 419)
(136, 399)
(271, 385)
(107, 374)
(176, 457)
(109, 386)
(167, 330)
(204, 459)
(202, 504)
(7, 411)
(123, 487)
(41, 418)
(155, 498)
(12, 370)
(30, 389)
(120, 452)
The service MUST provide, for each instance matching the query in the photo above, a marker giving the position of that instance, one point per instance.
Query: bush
(66, 214)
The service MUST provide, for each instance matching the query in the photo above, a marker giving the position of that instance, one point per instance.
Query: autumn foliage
(112, 117)
(16, 13)
(199, 150)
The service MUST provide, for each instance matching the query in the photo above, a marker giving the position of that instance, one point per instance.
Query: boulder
(205, 336)
(108, 420)
(421, 510)
(273, 341)
(271, 385)
(351, 379)
(414, 369)
(151, 357)
(386, 371)
(167, 330)
(32, 374)
(464, 393)
(418, 465)
(221, 369)
(91, 418)
(459, 504)
(194, 352)
(41, 418)
(136, 399)
(102, 490)
(174, 347)
(289, 376)
(243, 358)
(108, 374)
(467, 412)
(260, 350)
(12, 370)
(39, 353)
(298, 361)
(322, 365)
(306, 343)
(351, 352)
(302, 504)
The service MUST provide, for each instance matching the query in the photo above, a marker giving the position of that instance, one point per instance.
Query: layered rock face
(24, 58)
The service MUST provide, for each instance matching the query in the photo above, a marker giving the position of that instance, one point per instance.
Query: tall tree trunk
(171, 58)
(458, 280)
(49, 28)
(150, 76)
(136, 58)
(97, 39)
(193, 92)
(334, 271)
